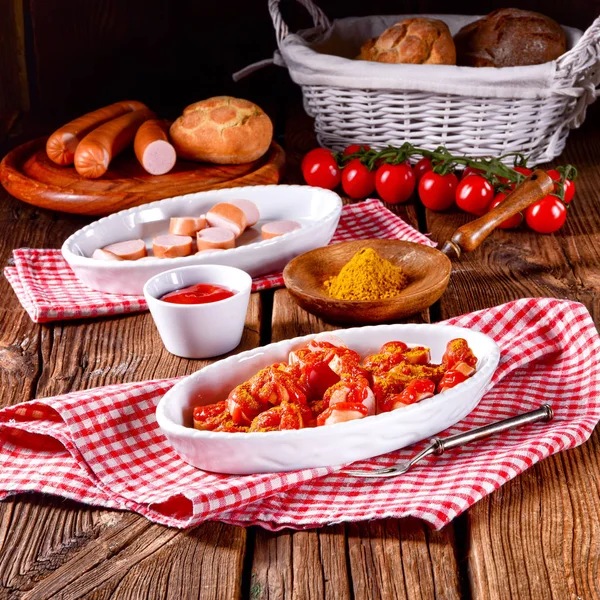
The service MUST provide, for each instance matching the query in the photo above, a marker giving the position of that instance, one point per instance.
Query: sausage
(213, 238)
(98, 148)
(227, 216)
(100, 254)
(172, 246)
(129, 250)
(152, 147)
(277, 228)
(187, 225)
(61, 145)
(250, 210)
(210, 250)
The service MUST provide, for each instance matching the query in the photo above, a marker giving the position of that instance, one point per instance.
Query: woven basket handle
(281, 29)
(585, 51)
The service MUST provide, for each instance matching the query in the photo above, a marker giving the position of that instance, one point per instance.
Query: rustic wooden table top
(536, 537)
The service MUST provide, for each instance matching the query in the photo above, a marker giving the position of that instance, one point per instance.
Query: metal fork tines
(438, 446)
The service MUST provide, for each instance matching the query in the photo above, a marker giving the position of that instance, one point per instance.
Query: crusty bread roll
(223, 130)
(415, 41)
(510, 37)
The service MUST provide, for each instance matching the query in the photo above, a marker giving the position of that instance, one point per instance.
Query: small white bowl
(262, 452)
(199, 330)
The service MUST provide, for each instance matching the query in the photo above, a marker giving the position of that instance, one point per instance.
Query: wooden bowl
(427, 269)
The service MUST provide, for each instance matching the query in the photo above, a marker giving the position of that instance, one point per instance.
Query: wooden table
(536, 537)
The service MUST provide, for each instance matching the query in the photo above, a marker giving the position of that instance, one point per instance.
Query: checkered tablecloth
(49, 290)
(103, 446)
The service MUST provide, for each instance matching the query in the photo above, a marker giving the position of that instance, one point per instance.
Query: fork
(438, 445)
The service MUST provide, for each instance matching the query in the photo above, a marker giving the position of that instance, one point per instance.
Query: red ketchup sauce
(201, 293)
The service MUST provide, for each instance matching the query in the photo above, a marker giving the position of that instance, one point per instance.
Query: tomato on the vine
(437, 191)
(395, 183)
(352, 148)
(421, 167)
(474, 194)
(471, 171)
(523, 170)
(510, 223)
(357, 180)
(526, 172)
(569, 185)
(320, 169)
(546, 215)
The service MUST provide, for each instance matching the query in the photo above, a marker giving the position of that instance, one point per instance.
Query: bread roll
(510, 37)
(415, 41)
(222, 130)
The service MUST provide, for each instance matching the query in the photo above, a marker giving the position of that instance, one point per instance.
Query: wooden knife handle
(470, 236)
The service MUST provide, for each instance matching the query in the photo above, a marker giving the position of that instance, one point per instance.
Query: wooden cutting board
(29, 175)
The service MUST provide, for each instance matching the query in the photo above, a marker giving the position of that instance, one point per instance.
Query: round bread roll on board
(214, 238)
(277, 228)
(418, 41)
(172, 246)
(129, 250)
(222, 130)
(228, 216)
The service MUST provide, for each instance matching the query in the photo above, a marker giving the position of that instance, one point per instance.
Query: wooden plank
(318, 562)
(402, 558)
(113, 351)
(539, 535)
(14, 93)
(78, 355)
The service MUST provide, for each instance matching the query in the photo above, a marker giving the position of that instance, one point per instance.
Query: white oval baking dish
(261, 452)
(316, 209)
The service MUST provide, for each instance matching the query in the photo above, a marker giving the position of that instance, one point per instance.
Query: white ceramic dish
(199, 330)
(262, 452)
(316, 209)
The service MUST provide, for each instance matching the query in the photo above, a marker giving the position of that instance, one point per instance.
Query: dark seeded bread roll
(414, 41)
(510, 37)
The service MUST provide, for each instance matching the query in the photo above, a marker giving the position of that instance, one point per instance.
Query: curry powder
(367, 276)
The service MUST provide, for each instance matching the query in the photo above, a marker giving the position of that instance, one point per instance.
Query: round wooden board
(29, 175)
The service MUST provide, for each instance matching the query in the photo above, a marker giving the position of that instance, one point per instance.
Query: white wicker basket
(497, 110)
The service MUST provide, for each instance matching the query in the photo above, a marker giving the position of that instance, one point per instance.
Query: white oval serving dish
(263, 452)
(316, 209)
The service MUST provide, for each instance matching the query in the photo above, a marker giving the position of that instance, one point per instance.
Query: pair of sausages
(93, 140)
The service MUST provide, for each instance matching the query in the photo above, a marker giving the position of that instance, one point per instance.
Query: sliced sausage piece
(250, 210)
(98, 148)
(100, 254)
(186, 225)
(210, 250)
(227, 216)
(61, 145)
(213, 238)
(277, 228)
(152, 147)
(172, 246)
(129, 250)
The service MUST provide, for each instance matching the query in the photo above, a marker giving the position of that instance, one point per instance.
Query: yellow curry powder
(367, 276)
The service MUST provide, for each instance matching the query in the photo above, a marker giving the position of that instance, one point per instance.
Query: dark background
(82, 54)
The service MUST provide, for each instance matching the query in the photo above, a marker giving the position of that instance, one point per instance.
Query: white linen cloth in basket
(324, 61)
(477, 111)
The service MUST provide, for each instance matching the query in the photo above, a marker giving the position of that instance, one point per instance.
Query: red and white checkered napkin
(49, 290)
(103, 446)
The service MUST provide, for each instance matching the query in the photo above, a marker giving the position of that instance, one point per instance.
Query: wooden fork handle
(470, 236)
